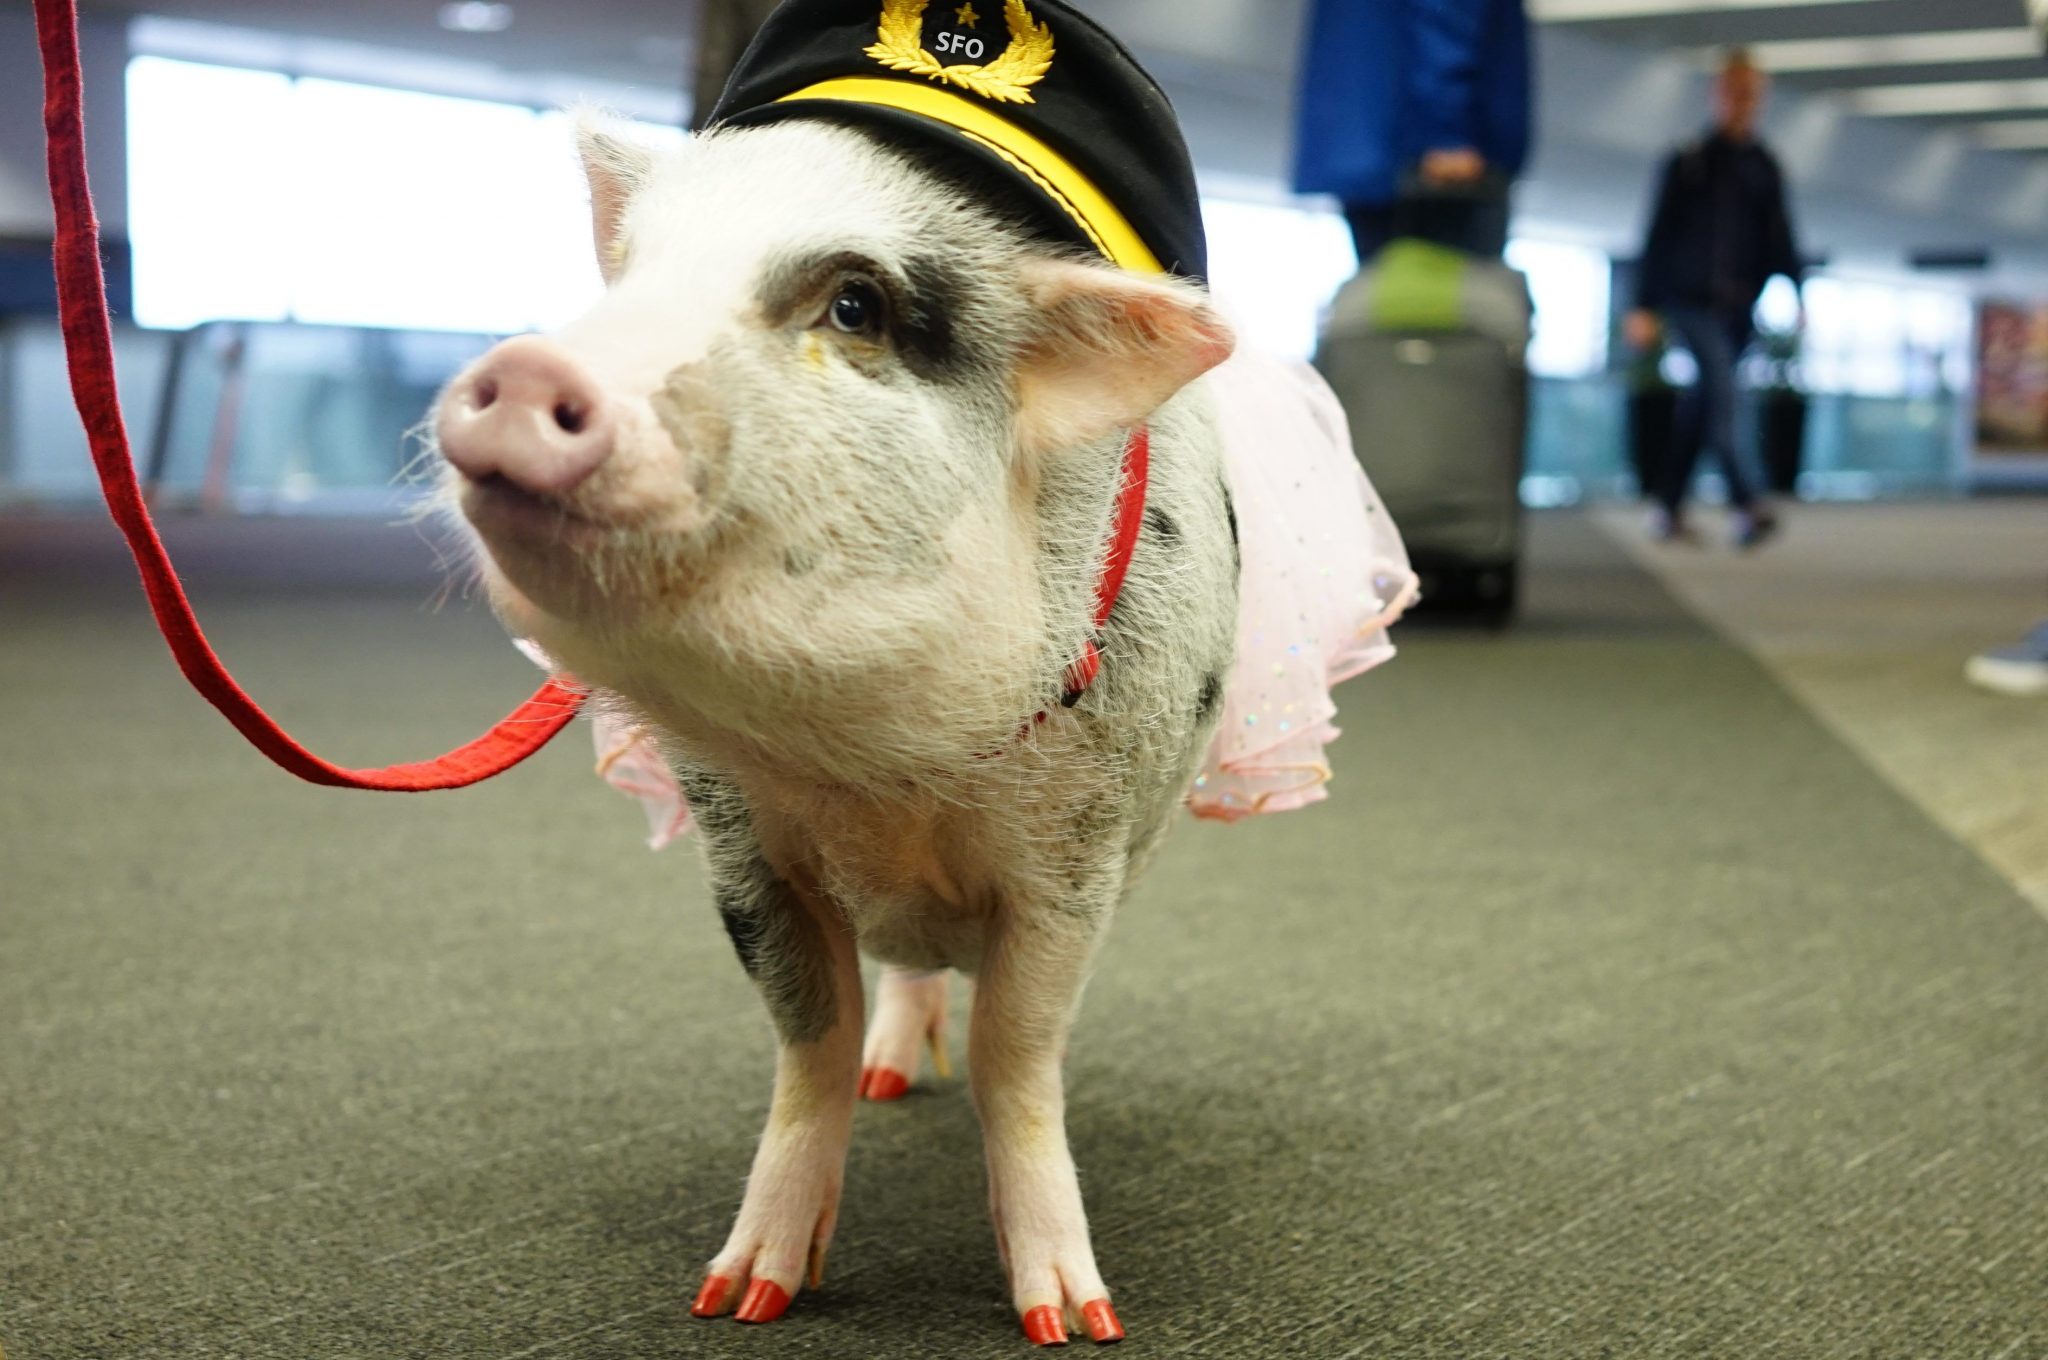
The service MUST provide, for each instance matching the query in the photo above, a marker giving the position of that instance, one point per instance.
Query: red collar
(1123, 545)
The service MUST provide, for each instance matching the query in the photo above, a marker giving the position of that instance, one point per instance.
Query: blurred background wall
(330, 208)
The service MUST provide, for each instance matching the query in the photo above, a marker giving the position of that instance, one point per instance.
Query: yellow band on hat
(1059, 177)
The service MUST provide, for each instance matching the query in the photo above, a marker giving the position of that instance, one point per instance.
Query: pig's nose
(527, 412)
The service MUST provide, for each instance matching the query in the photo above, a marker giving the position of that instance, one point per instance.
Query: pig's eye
(858, 309)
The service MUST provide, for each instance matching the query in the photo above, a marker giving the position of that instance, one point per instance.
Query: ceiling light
(1961, 96)
(1906, 49)
(476, 16)
(2022, 134)
(1591, 11)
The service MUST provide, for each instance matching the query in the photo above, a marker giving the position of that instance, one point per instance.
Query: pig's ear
(617, 166)
(1109, 349)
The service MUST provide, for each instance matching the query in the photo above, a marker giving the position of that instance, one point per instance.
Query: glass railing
(234, 416)
(1855, 447)
(1863, 448)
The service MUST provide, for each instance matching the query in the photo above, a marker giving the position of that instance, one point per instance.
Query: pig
(819, 495)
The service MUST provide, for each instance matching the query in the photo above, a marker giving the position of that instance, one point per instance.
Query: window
(1274, 270)
(1875, 339)
(257, 196)
(1571, 287)
(203, 146)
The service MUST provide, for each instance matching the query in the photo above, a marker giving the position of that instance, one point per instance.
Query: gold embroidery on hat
(1008, 79)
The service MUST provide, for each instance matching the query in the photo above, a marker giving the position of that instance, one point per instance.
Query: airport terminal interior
(1663, 975)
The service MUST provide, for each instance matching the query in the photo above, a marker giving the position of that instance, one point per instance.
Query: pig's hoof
(883, 1084)
(910, 1014)
(765, 1302)
(1045, 1327)
(1103, 1328)
(715, 1297)
(778, 1245)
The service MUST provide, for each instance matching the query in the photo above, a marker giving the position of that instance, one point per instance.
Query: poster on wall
(2012, 380)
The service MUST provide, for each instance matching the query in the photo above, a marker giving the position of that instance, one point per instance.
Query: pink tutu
(629, 761)
(1324, 576)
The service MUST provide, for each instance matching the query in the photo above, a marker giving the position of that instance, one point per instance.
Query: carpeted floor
(1868, 613)
(1612, 1008)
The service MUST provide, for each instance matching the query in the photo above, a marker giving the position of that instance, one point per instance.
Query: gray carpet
(1611, 1009)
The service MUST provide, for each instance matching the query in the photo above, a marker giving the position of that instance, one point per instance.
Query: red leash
(88, 343)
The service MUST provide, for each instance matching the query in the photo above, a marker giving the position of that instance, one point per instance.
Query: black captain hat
(1030, 90)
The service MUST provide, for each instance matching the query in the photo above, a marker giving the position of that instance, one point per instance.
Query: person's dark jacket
(1386, 81)
(1720, 231)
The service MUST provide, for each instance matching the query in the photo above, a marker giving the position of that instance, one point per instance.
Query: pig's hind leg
(1024, 1002)
(910, 1013)
(800, 953)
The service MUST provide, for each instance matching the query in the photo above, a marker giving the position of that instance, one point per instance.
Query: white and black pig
(820, 497)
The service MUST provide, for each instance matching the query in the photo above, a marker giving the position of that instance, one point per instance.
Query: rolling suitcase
(1426, 349)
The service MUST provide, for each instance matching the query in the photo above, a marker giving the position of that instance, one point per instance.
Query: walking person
(1415, 116)
(1720, 231)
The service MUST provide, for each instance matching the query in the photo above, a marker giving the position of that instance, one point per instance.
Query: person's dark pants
(1475, 222)
(1372, 226)
(1706, 413)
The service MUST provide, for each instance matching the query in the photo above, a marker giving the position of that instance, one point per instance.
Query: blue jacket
(1384, 81)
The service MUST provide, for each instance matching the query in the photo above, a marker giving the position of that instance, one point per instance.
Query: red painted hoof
(1102, 1323)
(765, 1302)
(1045, 1327)
(885, 1085)
(711, 1298)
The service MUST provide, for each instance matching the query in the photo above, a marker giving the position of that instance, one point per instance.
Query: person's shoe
(1754, 528)
(1666, 527)
(2021, 669)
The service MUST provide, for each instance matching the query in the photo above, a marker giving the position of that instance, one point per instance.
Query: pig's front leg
(800, 952)
(1024, 1004)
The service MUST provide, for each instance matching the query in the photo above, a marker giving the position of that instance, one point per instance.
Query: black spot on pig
(778, 943)
(922, 300)
(1211, 696)
(718, 808)
(927, 300)
(748, 931)
(1162, 526)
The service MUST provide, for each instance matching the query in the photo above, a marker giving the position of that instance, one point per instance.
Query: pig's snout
(530, 413)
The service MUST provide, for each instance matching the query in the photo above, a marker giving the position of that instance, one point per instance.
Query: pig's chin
(579, 566)
(585, 575)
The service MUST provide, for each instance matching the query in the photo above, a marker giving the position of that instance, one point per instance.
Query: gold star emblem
(966, 16)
